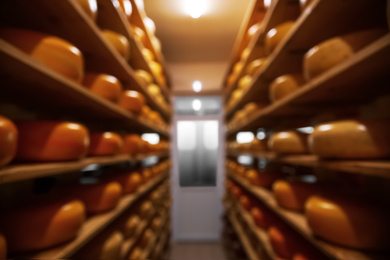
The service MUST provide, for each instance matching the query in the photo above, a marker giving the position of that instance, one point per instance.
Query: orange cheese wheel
(43, 225)
(246, 202)
(89, 7)
(284, 242)
(106, 246)
(236, 191)
(262, 178)
(131, 226)
(118, 42)
(349, 222)
(245, 53)
(154, 90)
(3, 247)
(132, 101)
(55, 53)
(351, 139)
(276, 35)
(103, 85)
(8, 140)
(129, 181)
(260, 217)
(147, 175)
(51, 141)
(104, 144)
(332, 52)
(244, 82)
(255, 66)
(146, 238)
(156, 223)
(135, 254)
(148, 54)
(237, 94)
(132, 144)
(290, 142)
(146, 209)
(155, 67)
(144, 77)
(99, 197)
(284, 85)
(293, 194)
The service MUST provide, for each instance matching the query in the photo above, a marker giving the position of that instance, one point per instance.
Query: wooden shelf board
(347, 81)
(363, 167)
(40, 81)
(94, 225)
(298, 222)
(13, 173)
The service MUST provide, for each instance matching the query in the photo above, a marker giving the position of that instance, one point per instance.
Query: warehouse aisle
(195, 251)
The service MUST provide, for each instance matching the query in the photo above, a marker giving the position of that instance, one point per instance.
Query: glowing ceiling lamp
(197, 86)
(195, 8)
(196, 104)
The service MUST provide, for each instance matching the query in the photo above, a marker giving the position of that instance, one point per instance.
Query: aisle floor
(196, 251)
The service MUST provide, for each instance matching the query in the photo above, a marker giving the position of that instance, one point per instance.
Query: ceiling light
(195, 8)
(196, 105)
(244, 137)
(197, 86)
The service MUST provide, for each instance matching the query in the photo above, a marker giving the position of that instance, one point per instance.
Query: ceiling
(197, 49)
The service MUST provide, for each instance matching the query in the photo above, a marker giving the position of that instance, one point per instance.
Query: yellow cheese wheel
(89, 7)
(51, 141)
(237, 94)
(284, 85)
(146, 238)
(41, 225)
(55, 53)
(118, 42)
(104, 247)
(139, 35)
(332, 52)
(244, 82)
(132, 101)
(8, 140)
(351, 139)
(255, 66)
(103, 85)
(105, 144)
(144, 77)
(148, 54)
(155, 67)
(289, 142)
(237, 68)
(146, 209)
(99, 197)
(154, 90)
(293, 194)
(3, 247)
(131, 226)
(349, 222)
(245, 53)
(276, 35)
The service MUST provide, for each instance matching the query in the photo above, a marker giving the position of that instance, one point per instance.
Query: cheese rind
(103, 85)
(144, 76)
(276, 35)
(289, 142)
(284, 85)
(105, 144)
(132, 101)
(118, 42)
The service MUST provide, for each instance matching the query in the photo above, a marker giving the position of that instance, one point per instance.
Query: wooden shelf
(249, 250)
(298, 222)
(362, 167)
(68, 21)
(94, 225)
(41, 87)
(13, 173)
(330, 19)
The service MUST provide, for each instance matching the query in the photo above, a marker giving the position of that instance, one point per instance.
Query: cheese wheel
(89, 7)
(129, 181)
(153, 90)
(276, 35)
(332, 52)
(146, 209)
(258, 145)
(237, 68)
(290, 142)
(132, 144)
(260, 217)
(148, 54)
(252, 31)
(255, 66)
(284, 85)
(237, 94)
(262, 178)
(8, 140)
(104, 247)
(351, 139)
(55, 53)
(144, 77)
(252, 107)
(135, 254)
(42, 225)
(118, 42)
(246, 202)
(99, 197)
(51, 141)
(103, 85)
(284, 242)
(145, 112)
(236, 191)
(147, 175)
(293, 194)
(3, 247)
(131, 226)
(245, 54)
(156, 43)
(105, 144)
(126, 6)
(156, 223)
(155, 67)
(139, 35)
(230, 80)
(146, 238)
(349, 222)
(132, 101)
(244, 82)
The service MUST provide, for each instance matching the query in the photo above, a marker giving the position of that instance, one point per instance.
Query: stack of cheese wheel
(3, 247)
(50, 223)
(105, 144)
(44, 141)
(106, 246)
(8, 140)
(288, 142)
(118, 42)
(130, 181)
(55, 53)
(132, 101)
(99, 197)
(276, 35)
(351, 139)
(89, 7)
(262, 177)
(284, 85)
(349, 221)
(332, 52)
(103, 85)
